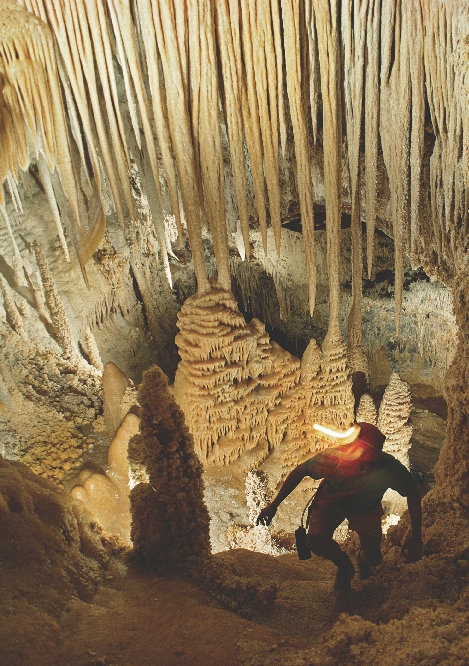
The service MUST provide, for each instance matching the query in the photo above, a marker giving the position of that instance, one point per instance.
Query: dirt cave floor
(138, 619)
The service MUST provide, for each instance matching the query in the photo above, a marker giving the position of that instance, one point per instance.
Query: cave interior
(221, 222)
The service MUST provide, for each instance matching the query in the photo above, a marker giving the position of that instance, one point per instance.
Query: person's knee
(317, 543)
(372, 558)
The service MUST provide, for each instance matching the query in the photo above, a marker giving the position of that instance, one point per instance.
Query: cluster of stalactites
(261, 62)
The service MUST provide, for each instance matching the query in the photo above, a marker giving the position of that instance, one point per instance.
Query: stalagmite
(170, 522)
(114, 384)
(93, 351)
(366, 410)
(229, 379)
(258, 493)
(49, 190)
(393, 418)
(338, 396)
(18, 266)
(291, 21)
(13, 316)
(63, 333)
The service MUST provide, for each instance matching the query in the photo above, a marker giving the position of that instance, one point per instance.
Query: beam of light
(334, 433)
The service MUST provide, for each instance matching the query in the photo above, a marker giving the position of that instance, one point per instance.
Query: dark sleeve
(313, 467)
(398, 477)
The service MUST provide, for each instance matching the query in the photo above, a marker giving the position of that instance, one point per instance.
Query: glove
(266, 515)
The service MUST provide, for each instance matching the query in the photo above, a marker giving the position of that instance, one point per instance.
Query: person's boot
(345, 574)
(364, 569)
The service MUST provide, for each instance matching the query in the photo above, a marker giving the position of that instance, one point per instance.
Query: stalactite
(207, 126)
(371, 124)
(179, 124)
(99, 32)
(395, 129)
(227, 15)
(31, 97)
(414, 19)
(313, 54)
(71, 73)
(290, 13)
(265, 79)
(193, 50)
(326, 17)
(158, 105)
(15, 196)
(250, 109)
(86, 56)
(63, 333)
(354, 37)
(126, 30)
(276, 27)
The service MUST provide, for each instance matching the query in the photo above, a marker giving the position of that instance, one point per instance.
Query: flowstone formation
(229, 379)
(106, 495)
(244, 395)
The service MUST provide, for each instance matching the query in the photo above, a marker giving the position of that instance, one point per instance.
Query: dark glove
(266, 515)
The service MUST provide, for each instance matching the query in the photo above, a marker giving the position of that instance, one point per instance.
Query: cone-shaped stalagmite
(170, 522)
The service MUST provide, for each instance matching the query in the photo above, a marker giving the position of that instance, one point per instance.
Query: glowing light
(335, 433)
(389, 521)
